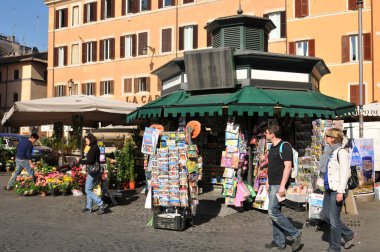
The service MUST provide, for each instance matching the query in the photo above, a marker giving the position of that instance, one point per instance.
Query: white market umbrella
(62, 109)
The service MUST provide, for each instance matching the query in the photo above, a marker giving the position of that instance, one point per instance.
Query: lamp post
(360, 54)
(70, 84)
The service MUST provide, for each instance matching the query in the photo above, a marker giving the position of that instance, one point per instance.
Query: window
(166, 40)
(89, 52)
(350, 48)
(165, 3)
(16, 74)
(89, 12)
(143, 43)
(75, 89)
(127, 7)
(301, 8)
(15, 97)
(75, 16)
(106, 88)
(352, 4)
(61, 18)
(142, 85)
(60, 90)
(279, 20)
(88, 88)
(188, 37)
(188, 1)
(128, 46)
(75, 54)
(302, 48)
(209, 39)
(127, 85)
(108, 9)
(107, 49)
(60, 56)
(355, 94)
(145, 5)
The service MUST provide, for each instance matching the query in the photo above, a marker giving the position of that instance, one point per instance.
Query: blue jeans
(90, 195)
(20, 164)
(331, 214)
(281, 224)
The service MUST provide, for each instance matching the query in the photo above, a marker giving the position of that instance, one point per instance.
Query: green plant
(125, 162)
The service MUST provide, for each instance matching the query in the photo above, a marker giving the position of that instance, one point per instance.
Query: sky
(27, 20)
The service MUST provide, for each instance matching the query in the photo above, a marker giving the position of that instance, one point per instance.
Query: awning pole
(360, 54)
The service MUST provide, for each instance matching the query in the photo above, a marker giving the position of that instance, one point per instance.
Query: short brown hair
(335, 133)
(35, 136)
(275, 129)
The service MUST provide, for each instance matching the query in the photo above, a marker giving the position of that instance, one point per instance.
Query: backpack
(294, 172)
(353, 181)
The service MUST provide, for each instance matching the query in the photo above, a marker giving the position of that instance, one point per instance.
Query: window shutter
(95, 11)
(345, 49)
(134, 45)
(298, 7)
(111, 88)
(55, 55)
(135, 6)
(102, 83)
(65, 18)
(367, 46)
(149, 4)
(355, 94)
(101, 50)
(135, 85)
(311, 47)
(147, 84)
(112, 48)
(113, 8)
(305, 8)
(123, 7)
(188, 1)
(352, 4)
(85, 13)
(127, 85)
(84, 52)
(65, 55)
(283, 24)
(84, 88)
(209, 39)
(94, 49)
(93, 88)
(181, 33)
(56, 19)
(195, 36)
(166, 40)
(143, 37)
(102, 10)
(65, 90)
(159, 4)
(159, 84)
(292, 47)
(122, 46)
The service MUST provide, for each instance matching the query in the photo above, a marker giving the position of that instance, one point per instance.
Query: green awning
(247, 100)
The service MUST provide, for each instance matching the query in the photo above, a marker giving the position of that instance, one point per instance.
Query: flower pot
(77, 192)
(43, 194)
(126, 186)
(132, 185)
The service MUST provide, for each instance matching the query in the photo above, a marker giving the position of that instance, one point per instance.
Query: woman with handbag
(335, 177)
(91, 161)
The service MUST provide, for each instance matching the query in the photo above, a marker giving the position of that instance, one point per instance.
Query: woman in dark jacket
(91, 158)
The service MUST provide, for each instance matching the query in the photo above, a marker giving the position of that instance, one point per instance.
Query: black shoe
(297, 242)
(86, 210)
(102, 209)
(274, 246)
(8, 188)
(350, 242)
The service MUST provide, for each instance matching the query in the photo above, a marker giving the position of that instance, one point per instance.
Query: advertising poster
(362, 158)
(150, 140)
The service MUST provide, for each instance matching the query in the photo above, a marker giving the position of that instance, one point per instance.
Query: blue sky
(25, 19)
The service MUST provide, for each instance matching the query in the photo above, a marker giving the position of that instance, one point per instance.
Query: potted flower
(125, 163)
(25, 185)
(65, 186)
(41, 184)
(54, 180)
(78, 178)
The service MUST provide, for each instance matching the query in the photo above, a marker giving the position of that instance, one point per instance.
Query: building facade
(22, 78)
(109, 47)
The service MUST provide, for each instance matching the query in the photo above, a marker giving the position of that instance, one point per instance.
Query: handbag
(94, 169)
(353, 181)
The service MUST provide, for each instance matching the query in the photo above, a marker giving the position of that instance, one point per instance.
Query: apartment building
(109, 47)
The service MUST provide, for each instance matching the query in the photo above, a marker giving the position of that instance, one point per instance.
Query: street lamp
(360, 54)
(277, 110)
(71, 85)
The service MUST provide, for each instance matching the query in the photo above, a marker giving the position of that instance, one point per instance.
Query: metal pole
(360, 54)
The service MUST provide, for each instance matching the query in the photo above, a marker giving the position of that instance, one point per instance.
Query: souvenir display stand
(175, 169)
(261, 172)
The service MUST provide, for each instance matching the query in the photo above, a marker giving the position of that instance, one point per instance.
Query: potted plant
(41, 184)
(78, 180)
(125, 163)
(65, 186)
(25, 185)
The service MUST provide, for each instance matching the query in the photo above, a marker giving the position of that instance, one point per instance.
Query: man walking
(279, 169)
(23, 158)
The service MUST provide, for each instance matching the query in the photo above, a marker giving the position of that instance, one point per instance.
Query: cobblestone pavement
(37, 223)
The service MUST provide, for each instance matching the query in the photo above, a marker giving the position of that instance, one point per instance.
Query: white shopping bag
(148, 201)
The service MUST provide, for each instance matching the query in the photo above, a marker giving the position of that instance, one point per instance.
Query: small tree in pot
(125, 163)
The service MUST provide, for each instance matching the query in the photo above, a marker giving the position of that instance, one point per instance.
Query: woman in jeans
(91, 158)
(335, 179)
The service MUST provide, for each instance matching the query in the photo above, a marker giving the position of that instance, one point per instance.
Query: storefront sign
(142, 99)
(362, 157)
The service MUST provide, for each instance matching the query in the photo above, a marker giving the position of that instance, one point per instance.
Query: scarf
(326, 156)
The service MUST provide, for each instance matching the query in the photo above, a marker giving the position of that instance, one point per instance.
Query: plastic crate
(297, 206)
(169, 221)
